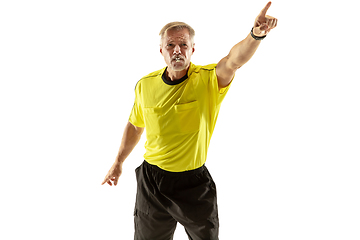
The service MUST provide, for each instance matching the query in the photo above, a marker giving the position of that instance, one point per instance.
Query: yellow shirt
(179, 117)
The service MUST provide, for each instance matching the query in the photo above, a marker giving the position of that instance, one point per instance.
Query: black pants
(165, 198)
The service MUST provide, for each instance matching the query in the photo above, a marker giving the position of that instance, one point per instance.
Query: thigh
(154, 226)
(199, 214)
(207, 229)
(151, 220)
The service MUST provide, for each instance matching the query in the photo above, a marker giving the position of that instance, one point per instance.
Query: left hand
(113, 174)
(264, 23)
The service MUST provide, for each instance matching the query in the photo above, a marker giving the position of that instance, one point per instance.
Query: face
(177, 49)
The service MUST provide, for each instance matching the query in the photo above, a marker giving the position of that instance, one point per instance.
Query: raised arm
(244, 50)
(130, 138)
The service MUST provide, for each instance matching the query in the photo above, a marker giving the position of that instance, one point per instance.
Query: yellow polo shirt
(179, 117)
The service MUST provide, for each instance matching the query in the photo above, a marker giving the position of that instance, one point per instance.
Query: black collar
(173, 82)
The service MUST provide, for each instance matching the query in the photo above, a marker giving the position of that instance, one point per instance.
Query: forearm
(131, 137)
(242, 52)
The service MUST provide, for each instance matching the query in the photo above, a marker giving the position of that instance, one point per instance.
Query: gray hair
(177, 26)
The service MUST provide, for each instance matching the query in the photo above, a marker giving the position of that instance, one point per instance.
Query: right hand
(264, 23)
(113, 174)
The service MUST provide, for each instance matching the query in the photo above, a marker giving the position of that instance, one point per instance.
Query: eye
(170, 45)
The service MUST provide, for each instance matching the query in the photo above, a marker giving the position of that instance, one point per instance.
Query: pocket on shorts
(141, 205)
(212, 185)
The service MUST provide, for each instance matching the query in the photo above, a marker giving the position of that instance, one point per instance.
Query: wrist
(119, 160)
(257, 36)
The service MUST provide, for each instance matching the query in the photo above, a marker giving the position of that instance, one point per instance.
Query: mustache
(177, 56)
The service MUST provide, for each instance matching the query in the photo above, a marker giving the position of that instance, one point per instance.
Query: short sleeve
(217, 94)
(136, 116)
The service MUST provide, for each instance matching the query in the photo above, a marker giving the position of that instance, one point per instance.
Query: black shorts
(165, 198)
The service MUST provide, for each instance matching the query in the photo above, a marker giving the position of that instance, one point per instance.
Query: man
(178, 105)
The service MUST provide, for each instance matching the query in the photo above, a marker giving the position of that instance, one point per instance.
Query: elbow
(136, 129)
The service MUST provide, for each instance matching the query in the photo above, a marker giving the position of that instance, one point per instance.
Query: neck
(176, 75)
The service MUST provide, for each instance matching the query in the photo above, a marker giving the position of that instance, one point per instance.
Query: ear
(193, 48)
(161, 50)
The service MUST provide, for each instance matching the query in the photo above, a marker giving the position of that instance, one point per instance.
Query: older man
(178, 105)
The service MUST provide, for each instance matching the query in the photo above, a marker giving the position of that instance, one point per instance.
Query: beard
(178, 63)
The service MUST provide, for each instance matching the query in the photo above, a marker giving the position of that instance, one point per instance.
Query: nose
(177, 49)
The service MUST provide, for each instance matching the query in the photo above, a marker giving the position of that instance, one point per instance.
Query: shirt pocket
(188, 117)
(155, 121)
(179, 119)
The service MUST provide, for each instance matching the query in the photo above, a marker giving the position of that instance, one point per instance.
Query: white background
(285, 152)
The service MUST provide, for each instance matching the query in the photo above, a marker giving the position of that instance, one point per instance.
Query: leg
(152, 221)
(155, 227)
(208, 229)
(199, 212)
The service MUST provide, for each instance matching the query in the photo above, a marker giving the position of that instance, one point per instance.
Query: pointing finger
(263, 12)
(105, 180)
